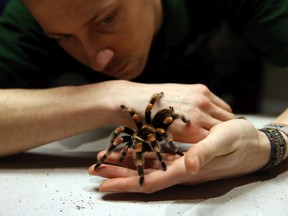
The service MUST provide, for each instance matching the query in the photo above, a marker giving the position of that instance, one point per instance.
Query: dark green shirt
(263, 24)
(29, 59)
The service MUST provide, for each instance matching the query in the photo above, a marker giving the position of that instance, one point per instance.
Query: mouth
(117, 70)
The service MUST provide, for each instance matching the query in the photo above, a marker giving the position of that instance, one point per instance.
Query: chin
(128, 76)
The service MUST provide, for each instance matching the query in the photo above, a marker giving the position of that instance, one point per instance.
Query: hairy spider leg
(111, 147)
(170, 119)
(169, 139)
(156, 148)
(118, 131)
(139, 160)
(125, 149)
(134, 116)
(176, 115)
(150, 105)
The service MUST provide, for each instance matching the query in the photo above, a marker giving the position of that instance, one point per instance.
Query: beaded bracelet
(281, 127)
(278, 147)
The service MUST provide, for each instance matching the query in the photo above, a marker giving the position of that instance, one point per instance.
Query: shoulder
(262, 24)
(16, 14)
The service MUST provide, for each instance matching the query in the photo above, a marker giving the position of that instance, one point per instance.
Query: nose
(97, 57)
(102, 58)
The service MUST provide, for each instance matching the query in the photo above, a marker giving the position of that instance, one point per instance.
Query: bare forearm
(30, 118)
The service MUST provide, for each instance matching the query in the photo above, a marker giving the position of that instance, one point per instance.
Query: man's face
(110, 36)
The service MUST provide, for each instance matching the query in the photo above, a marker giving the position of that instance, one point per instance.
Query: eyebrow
(96, 15)
(54, 34)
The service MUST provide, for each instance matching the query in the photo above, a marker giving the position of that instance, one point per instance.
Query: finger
(221, 114)
(131, 184)
(220, 103)
(197, 129)
(110, 171)
(153, 181)
(207, 119)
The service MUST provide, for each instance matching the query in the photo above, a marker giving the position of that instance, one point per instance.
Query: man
(123, 39)
(101, 36)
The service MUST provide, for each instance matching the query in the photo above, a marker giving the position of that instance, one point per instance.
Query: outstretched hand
(232, 148)
(200, 106)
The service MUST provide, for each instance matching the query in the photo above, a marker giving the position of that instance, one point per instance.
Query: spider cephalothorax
(147, 137)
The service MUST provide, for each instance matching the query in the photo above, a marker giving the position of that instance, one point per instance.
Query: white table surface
(53, 180)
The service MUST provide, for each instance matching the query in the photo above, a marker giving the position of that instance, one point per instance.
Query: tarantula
(147, 137)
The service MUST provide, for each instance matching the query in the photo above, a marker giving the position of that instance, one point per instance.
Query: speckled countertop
(53, 180)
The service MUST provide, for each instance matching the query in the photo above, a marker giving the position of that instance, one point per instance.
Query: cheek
(134, 44)
(77, 52)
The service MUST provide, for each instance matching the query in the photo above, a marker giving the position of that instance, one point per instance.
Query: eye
(107, 20)
(59, 38)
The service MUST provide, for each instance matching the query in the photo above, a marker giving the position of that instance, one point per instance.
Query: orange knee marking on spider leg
(119, 130)
(168, 120)
(160, 131)
(149, 107)
(156, 149)
(118, 141)
(139, 163)
(139, 147)
(136, 118)
(151, 137)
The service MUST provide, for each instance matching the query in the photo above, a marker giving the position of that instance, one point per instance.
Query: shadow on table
(207, 190)
(198, 192)
(36, 160)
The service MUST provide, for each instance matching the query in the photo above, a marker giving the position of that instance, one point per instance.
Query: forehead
(66, 12)
(66, 6)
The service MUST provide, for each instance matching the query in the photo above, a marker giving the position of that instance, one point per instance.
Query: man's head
(110, 36)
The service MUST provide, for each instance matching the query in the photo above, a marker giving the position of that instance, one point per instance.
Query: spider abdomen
(160, 118)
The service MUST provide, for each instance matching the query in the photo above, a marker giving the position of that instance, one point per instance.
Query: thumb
(200, 154)
(217, 143)
(193, 162)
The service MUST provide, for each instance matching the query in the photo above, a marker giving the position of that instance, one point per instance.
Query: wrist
(277, 147)
(278, 126)
(283, 128)
(265, 148)
(123, 92)
(285, 137)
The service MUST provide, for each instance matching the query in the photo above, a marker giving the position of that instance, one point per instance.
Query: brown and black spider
(147, 137)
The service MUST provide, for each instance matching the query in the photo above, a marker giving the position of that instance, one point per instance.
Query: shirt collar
(176, 21)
